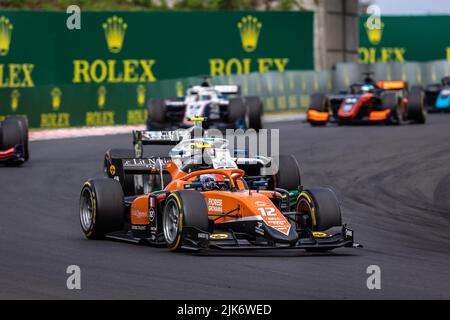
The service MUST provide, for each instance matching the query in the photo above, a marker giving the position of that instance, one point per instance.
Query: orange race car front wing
(198, 240)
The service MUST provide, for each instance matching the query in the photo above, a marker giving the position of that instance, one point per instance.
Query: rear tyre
(254, 112)
(236, 110)
(183, 208)
(288, 175)
(101, 208)
(323, 208)
(112, 167)
(416, 105)
(23, 122)
(11, 134)
(156, 112)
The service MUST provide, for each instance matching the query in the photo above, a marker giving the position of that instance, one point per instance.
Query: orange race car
(389, 102)
(207, 204)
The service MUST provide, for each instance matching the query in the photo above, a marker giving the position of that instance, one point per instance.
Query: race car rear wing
(392, 85)
(227, 89)
(152, 165)
(143, 137)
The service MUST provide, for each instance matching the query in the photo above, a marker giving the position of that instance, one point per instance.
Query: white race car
(221, 106)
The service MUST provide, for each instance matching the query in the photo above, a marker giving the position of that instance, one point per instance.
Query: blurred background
(100, 66)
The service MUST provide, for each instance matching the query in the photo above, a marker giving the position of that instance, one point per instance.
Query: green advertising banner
(118, 60)
(403, 38)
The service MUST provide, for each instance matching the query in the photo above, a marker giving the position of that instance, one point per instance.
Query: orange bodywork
(139, 211)
(379, 115)
(239, 204)
(354, 111)
(319, 116)
(391, 85)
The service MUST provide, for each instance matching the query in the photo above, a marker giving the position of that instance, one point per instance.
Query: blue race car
(437, 96)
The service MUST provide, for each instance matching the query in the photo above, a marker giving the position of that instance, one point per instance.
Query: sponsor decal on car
(215, 205)
(219, 236)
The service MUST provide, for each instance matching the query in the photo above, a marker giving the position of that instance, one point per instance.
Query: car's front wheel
(183, 208)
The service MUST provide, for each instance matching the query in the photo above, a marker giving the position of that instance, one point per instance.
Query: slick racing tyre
(23, 123)
(236, 110)
(288, 175)
(11, 134)
(323, 208)
(112, 167)
(389, 101)
(319, 102)
(254, 112)
(183, 208)
(156, 112)
(415, 108)
(101, 208)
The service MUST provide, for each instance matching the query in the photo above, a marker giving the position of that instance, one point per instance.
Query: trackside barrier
(51, 106)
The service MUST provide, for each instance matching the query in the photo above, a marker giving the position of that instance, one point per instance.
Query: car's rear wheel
(288, 176)
(183, 208)
(156, 113)
(101, 208)
(416, 105)
(236, 110)
(254, 112)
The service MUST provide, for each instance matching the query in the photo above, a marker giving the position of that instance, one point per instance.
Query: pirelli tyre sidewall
(322, 206)
(183, 208)
(101, 207)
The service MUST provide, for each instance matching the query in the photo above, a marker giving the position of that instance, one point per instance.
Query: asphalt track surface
(394, 184)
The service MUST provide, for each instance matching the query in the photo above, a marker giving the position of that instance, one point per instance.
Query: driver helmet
(209, 181)
(367, 87)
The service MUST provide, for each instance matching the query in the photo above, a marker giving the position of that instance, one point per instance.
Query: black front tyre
(101, 208)
(183, 208)
(319, 102)
(323, 209)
